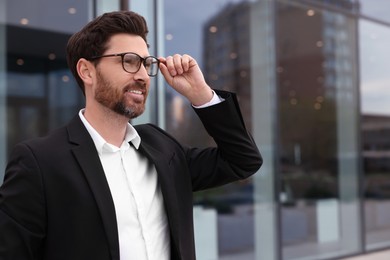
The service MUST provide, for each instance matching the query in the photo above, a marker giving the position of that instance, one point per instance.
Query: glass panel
(264, 108)
(375, 127)
(41, 92)
(376, 9)
(318, 136)
(220, 40)
(103, 6)
(318, 97)
(46, 15)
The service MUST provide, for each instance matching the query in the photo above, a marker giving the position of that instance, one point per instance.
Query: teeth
(135, 92)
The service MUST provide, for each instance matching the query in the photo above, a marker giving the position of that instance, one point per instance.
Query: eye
(131, 59)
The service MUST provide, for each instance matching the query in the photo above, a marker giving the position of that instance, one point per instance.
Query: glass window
(57, 16)
(216, 34)
(376, 9)
(295, 69)
(318, 139)
(375, 130)
(40, 89)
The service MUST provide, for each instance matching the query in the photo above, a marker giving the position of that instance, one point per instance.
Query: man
(99, 188)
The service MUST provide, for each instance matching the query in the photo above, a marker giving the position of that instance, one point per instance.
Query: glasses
(131, 62)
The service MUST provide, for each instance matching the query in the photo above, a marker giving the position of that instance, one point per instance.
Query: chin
(131, 113)
(128, 111)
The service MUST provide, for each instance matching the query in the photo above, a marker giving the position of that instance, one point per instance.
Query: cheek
(113, 82)
(118, 77)
(113, 74)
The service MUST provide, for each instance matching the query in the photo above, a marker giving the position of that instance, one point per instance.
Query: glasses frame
(122, 55)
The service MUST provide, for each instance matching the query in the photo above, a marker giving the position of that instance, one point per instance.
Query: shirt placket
(130, 171)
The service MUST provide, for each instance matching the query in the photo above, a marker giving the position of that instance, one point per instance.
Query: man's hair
(92, 40)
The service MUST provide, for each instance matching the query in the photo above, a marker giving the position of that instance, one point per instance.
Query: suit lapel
(167, 183)
(87, 156)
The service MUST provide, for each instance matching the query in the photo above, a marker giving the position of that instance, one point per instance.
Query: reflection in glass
(317, 140)
(224, 56)
(375, 129)
(49, 15)
(35, 72)
(317, 83)
(40, 91)
(375, 9)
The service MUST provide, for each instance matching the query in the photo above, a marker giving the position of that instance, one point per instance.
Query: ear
(86, 71)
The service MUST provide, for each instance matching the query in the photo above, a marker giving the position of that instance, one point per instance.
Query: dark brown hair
(92, 39)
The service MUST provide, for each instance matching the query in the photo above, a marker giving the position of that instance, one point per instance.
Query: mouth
(134, 91)
(137, 95)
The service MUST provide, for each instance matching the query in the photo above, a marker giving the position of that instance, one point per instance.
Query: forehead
(119, 43)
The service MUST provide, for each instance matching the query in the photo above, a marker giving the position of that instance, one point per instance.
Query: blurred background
(313, 82)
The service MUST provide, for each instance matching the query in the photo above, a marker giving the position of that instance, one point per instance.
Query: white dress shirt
(142, 223)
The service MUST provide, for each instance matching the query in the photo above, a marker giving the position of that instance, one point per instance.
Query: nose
(142, 74)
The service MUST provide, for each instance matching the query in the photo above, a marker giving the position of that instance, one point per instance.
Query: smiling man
(100, 188)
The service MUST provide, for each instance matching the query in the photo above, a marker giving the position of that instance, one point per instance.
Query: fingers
(164, 70)
(177, 64)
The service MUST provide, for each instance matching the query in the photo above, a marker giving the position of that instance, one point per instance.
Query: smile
(135, 92)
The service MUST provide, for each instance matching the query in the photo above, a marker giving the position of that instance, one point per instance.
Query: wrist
(202, 98)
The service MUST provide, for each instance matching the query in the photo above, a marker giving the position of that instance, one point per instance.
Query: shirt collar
(130, 136)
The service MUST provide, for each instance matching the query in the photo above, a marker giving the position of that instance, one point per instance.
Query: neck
(110, 125)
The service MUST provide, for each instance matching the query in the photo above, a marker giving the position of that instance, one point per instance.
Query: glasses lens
(131, 62)
(151, 65)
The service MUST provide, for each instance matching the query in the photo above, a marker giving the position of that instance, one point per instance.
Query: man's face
(122, 92)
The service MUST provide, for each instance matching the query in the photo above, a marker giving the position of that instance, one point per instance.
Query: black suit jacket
(55, 202)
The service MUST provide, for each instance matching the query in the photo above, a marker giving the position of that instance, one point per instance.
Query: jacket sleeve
(236, 155)
(22, 213)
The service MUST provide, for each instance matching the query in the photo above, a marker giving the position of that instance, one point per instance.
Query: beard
(114, 98)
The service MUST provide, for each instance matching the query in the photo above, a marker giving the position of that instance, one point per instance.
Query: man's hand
(184, 75)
